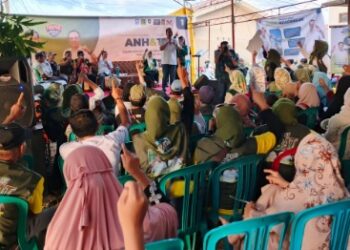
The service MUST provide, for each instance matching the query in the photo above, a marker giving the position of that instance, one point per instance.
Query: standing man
(169, 60)
(224, 56)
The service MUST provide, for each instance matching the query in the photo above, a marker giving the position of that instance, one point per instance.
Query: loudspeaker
(20, 81)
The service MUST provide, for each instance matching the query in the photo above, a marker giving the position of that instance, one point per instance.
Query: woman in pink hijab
(308, 97)
(317, 181)
(87, 217)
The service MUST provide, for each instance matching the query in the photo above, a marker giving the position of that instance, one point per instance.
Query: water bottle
(117, 71)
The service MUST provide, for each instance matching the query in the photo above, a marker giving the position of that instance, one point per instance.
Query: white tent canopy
(133, 7)
(92, 7)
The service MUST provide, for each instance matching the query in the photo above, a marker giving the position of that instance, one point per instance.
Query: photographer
(225, 56)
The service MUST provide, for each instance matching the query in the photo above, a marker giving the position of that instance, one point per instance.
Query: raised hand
(132, 207)
(275, 178)
(116, 93)
(259, 98)
(131, 162)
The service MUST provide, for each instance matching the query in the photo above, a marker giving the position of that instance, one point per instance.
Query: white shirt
(169, 54)
(110, 144)
(45, 68)
(103, 67)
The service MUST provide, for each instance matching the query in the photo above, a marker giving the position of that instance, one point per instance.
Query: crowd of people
(288, 112)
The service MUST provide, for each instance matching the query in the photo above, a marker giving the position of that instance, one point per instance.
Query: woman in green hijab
(281, 158)
(273, 61)
(162, 148)
(175, 110)
(228, 141)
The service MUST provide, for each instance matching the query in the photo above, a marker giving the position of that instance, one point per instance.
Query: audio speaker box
(20, 81)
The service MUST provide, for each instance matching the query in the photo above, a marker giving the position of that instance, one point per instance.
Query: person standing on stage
(169, 61)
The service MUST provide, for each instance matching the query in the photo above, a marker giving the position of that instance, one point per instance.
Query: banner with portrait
(125, 39)
(284, 32)
(340, 48)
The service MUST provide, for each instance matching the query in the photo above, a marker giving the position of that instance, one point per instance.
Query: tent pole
(233, 22)
(348, 12)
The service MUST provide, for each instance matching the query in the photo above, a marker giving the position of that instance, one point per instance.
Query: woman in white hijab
(338, 123)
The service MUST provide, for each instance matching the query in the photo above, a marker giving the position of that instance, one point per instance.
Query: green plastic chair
(207, 118)
(248, 131)
(22, 207)
(194, 199)
(169, 244)
(340, 228)
(137, 128)
(256, 231)
(345, 163)
(247, 186)
(312, 117)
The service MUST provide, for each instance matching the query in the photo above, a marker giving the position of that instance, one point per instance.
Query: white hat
(176, 86)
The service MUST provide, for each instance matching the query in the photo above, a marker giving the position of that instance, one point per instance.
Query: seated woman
(87, 218)
(318, 80)
(308, 100)
(281, 158)
(336, 101)
(338, 123)
(317, 165)
(282, 78)
(243, 106)
(206, 96)
(163, 147)
(150, 67)
(228, 140)
(237, 79)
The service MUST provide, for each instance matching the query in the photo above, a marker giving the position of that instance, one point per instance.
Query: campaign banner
(284, 32)
(340, 45)
(125, 39)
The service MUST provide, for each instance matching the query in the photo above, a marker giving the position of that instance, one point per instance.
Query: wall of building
(207, 41)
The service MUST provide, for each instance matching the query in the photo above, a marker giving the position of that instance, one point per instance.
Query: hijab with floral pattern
(317, 181)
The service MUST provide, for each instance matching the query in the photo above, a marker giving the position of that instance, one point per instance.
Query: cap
(176, 87)
(206, 94)
(11, 136)
(137, 93)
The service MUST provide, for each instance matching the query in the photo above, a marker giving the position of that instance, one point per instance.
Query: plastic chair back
(169, 244)
(194, 200)
(207, 118)
(340, 228)
(248, 131)
(137, 128)
(247, 185)
(256, 231)
(22, 207)
(312, 116)
(345, 163)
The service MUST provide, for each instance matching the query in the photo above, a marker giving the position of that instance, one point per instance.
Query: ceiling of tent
(133, 7)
